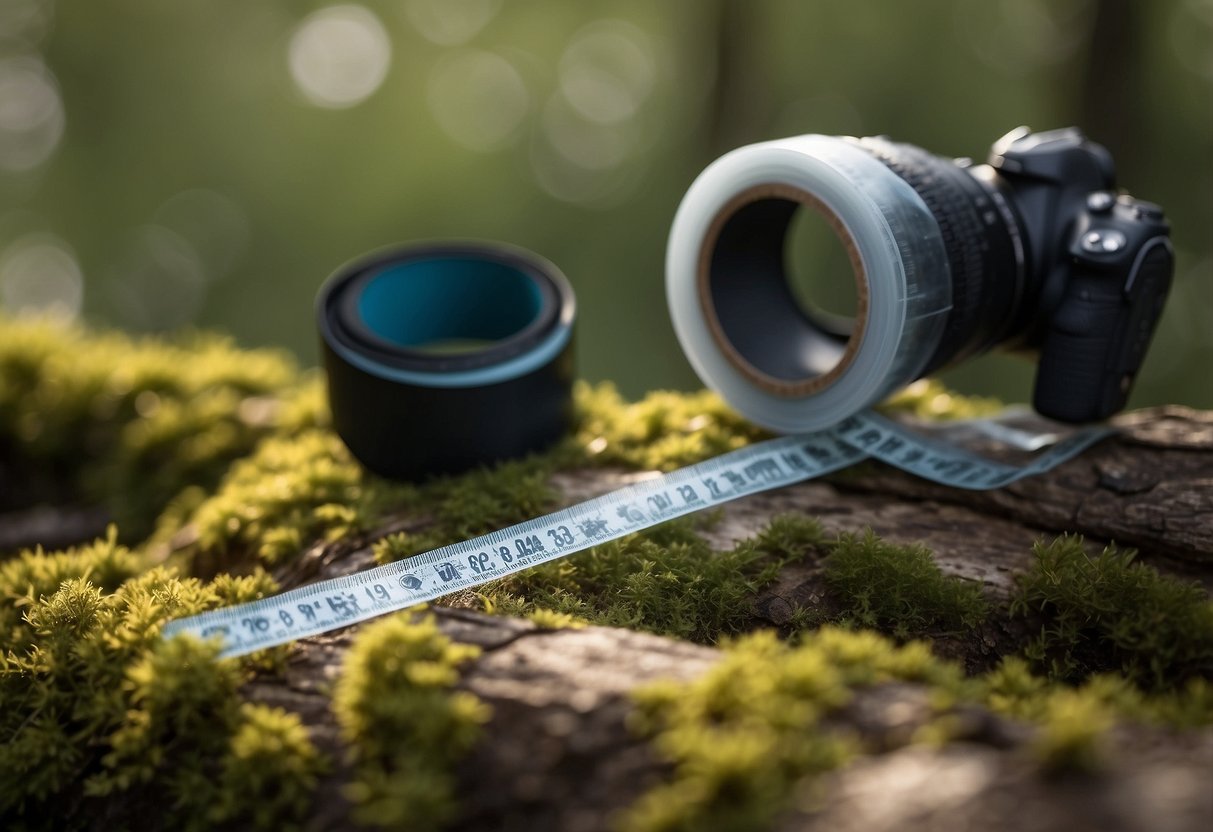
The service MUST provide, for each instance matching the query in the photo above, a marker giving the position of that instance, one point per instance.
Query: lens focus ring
(980, 256)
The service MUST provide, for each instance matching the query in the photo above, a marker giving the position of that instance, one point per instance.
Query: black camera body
(1046, 257)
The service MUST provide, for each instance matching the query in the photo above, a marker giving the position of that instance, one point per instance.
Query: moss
(93, 703)
(1108, 613)
(546, 619)
(405, 726)
(929, 398)
(663, 431)
(665, 580)
(1072, 733)
(32, 575)
(898, 589)
(271, 505)
(744, 734)
(743, 737)
(269, 771)
(90, 701)
(131, 422)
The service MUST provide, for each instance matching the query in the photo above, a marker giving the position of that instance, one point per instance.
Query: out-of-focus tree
(211, 162)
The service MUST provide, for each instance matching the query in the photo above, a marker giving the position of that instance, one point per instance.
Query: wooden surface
(557, 755)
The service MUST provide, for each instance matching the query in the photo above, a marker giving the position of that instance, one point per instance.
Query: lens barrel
(989, 271)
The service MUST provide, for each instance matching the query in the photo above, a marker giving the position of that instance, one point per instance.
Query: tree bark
(557, 753)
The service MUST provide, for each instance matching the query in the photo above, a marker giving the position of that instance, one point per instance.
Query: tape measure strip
(340, 602)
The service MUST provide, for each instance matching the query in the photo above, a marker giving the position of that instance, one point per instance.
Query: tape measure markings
(340, 602)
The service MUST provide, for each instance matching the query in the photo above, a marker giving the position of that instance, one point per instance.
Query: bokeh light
(608, 70)
(339, 56)
(39, 275)
(31, 113)
(1191, 32)
(478, 98)
(450, 22)
(26, 20)
(1017, 37)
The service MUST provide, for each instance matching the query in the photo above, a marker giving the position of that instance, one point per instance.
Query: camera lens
(947, 261)
(976, 225)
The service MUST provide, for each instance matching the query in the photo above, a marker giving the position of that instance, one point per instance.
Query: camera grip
(1098, 337)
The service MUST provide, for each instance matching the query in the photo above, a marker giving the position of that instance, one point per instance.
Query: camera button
(1103, 242)
(1100, 202)
(1147, 210)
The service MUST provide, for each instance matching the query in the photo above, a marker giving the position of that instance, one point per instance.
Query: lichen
(404, 725)
(1109, 613)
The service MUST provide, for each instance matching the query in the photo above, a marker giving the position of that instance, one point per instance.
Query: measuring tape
(340, 602)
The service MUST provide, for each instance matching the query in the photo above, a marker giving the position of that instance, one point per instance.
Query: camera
(1033, 251)
(1046, 257)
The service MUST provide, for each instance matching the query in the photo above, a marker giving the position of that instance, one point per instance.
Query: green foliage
(472, 504)
(178, 695)
(289, 492)
(31, 575)
(269, 771)
(93, 703)
(741, 736)
(665, 580)
(899, 589)
(405, 726)
(663, 431)
(929, 398)
(1107, 613)
(133, 422)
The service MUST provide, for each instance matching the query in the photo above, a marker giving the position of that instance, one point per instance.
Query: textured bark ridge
(558, 754)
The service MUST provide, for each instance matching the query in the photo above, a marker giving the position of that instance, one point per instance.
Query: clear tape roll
(902, 269)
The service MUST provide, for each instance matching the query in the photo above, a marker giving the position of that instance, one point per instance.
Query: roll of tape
(735, 315)
(443, 357)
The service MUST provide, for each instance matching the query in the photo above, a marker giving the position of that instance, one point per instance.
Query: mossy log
(557, 752)
(867, 651)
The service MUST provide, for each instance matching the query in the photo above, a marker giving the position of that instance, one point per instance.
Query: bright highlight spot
(478, 98)
(339, 55)
(39, 275)
(31, 113)
(608, 70)
(450, 22)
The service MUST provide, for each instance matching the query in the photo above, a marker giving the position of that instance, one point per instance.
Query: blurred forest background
(210, 162)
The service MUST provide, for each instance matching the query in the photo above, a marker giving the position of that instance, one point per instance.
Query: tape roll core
(443, 357)
(754, 317)
(738, 322)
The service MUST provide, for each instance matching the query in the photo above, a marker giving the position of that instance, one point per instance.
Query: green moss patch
(665, 580)
(131, 422)
(1109, 613)
(743, 735)
(405, 727)
(291, 491)
(898, 589)
(93, 703)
